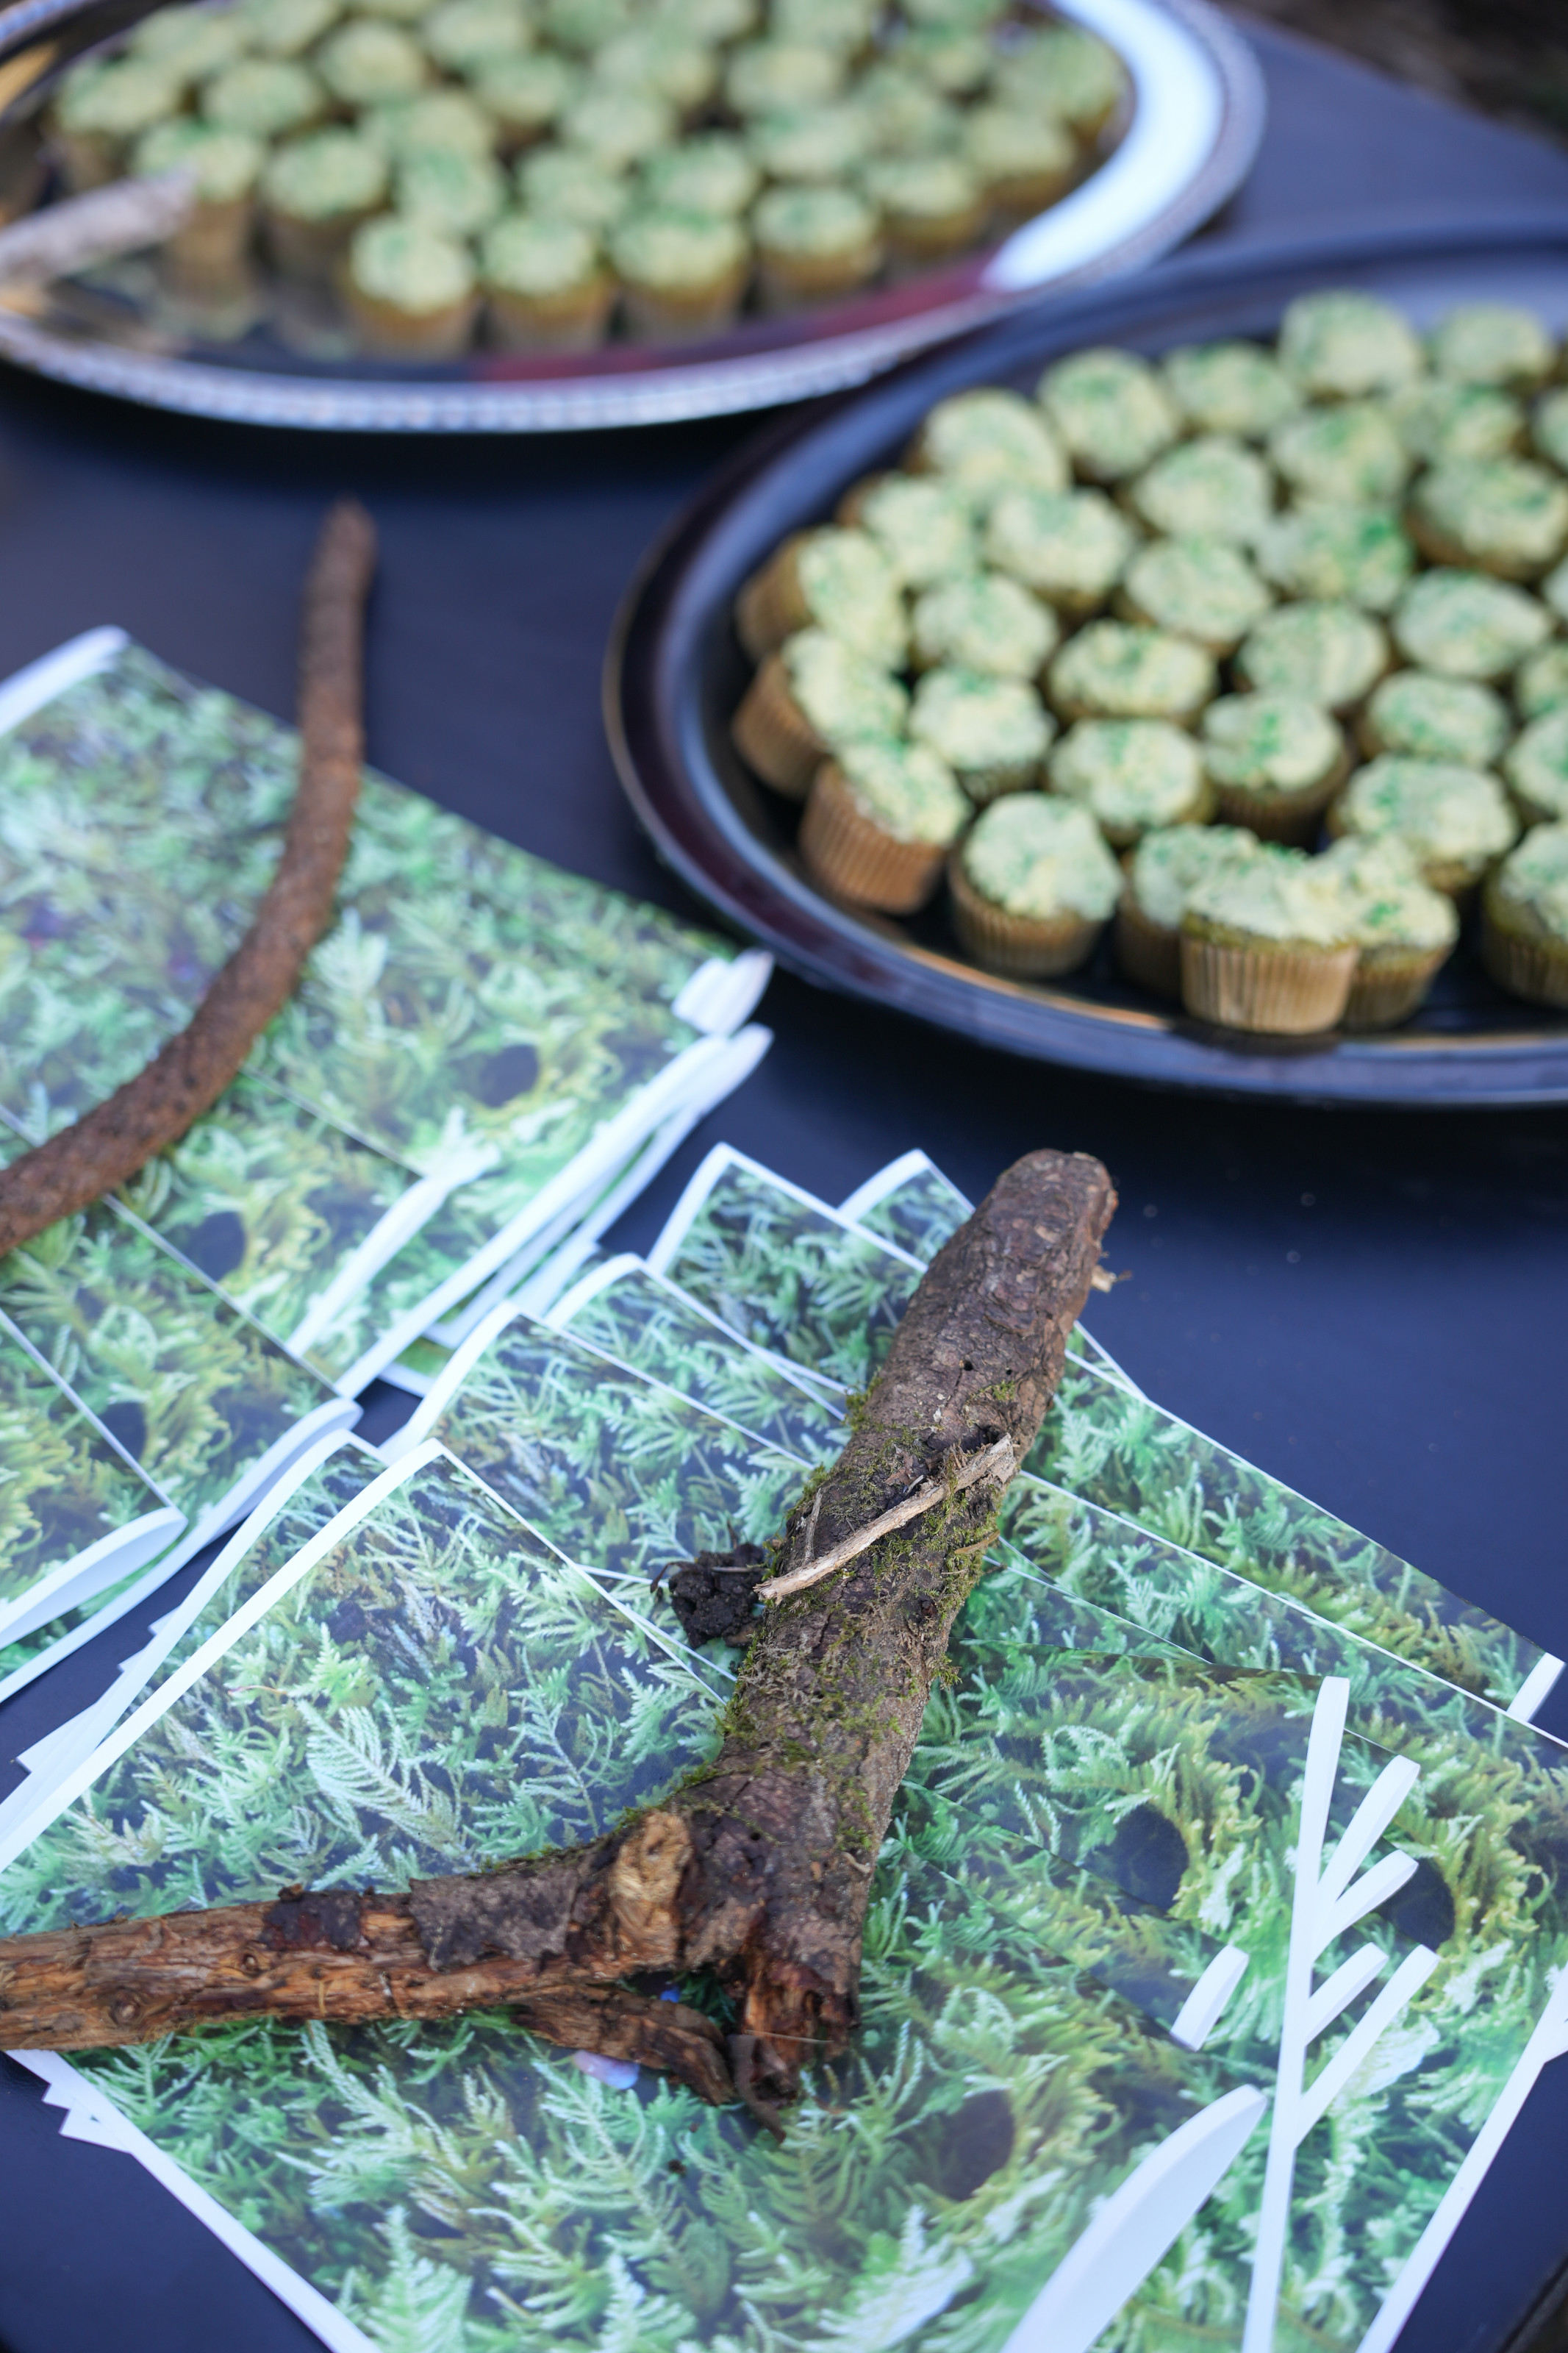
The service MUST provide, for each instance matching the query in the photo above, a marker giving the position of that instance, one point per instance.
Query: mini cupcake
(1229, 388)
(585, 26)
(714, 21)
(1070, 547)
(265, 98)
(1342, 344)
(1275, 762)
(1211, 487)
(562, 184)
(1132, 775)
(462, 34)
(924, 525)
(1442, 424)
(1111, 411)
(711, 175)
(1455, 822)
(1404, 930)
(813, 697)
(983, 621)
(1114, 671)
(812, 144)
(1541, 683)
(1165, 867)
(445, 122)
(681, 276)
(1549, 429)
(932, 206)
(189, 44)
(1492, 343)
(1429, 717)
(366, 63)
(205, 259)
(103, 108)
(1334, 555)
(1022, 159)
(619, 127)
(1267, 945)
(1504, 515)
(315, 192)
(410, 290)
(1326, 653)
(1466, 624)
(992, 733)
(1199, 588)
(1524, 919)
(1069, 74)
(847, 26)
(879, 821)
(773, 77)
(527, 94)
(460, 194)
(1536, 768)
(546, 289)
(1346, 456)
(987, 442)
(908, 117)
(814, 245)
(682, 72)
(829, 579)
(1032, 887)
(278, 28)
(953, 61)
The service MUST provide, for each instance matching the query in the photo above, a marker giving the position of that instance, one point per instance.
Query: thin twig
(992, 1462)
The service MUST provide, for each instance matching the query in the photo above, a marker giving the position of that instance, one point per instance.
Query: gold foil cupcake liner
(1389, 985)
(1023, 947)
(1536, 970)
(1291, 992)
(1147, 954)
(853, 857)
(772, 735)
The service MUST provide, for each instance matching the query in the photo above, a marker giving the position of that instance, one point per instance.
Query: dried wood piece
(186, 1076)
(758, 1868)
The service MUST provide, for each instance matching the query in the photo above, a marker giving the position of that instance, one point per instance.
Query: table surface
(1369, 1305)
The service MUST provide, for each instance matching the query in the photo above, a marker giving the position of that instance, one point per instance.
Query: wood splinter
(756, 1869)
(186, 1076)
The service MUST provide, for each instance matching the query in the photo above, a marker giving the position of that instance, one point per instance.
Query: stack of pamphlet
(485, 1057)
(1221, 1929)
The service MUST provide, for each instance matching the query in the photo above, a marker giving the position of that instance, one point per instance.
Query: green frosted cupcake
(1549, 429)
(366, 63)
(814, 245)
(619, 127)
(1404, 930)
(1199, 588)
(1501, 514)
(1536, 768)
(711, 175)
(1348, 455)
(1275, 762)
(1439, 423)
(983, 621)
(811, 698)
(562, 183)
(449, 122)
(1132, 775)
(987, 442)
(1330, 654)
(908, 117)
(1163, 871)
(680, 276)
(1022, 159)
(460, 195)
(713, 21)
(879, 819)
(1541, 683)
(546, 287)
(1342, 344)
(315, 192)
(1070, 547)
(925, 526)
(657, 58)
(1351, 555)
(847, 26)
(189, 44)
(1524, 919)
(527, 94)
(1267, 945)
(1466, 624)
(463, 35)
(1111, 412)
(992, 732)
(266, 98)
(816, 144)
(954, 61)
(278, 28)
(932, 205)
(1430, 717)
(1112, 670)
(1492, 343)
(1229, 388)
(774, 77)
(585, 26)
(205, 258)
(832, 579)
(1033, 886)
(1455, 822)
(1213, 488)
(103, 109)
(1068, 72)
(411, 290)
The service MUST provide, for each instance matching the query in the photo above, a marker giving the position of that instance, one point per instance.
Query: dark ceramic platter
(676, 672)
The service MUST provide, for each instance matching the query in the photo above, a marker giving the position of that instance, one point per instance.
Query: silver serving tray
(1196, 119)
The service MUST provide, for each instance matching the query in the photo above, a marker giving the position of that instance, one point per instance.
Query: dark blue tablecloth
(1371, 1306)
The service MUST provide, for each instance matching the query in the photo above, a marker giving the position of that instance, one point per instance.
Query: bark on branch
(186, 1076)
(758, 1869)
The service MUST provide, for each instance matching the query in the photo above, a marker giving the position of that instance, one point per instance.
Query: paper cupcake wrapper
(769, 607)
(1455, 879)
(405, 334)
(1023, 947)
(1148, 954)
(1536, 970)
(1389, 986)
(788, 281)
(1291, 992)
(772, 735)
(572, 322)
(852, 856)
(1293, 818)
(670, 317)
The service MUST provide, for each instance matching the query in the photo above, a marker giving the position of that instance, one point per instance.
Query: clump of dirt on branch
(756, 1870)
